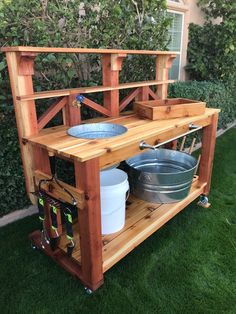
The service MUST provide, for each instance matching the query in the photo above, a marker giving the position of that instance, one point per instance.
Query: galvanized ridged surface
(161, 176)
(97, 130)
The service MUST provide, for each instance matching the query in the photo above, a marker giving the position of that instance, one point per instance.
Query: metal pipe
(192, 128)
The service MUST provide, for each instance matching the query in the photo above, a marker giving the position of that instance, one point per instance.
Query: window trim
(181, 40)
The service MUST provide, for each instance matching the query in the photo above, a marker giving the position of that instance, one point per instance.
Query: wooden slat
(91, 89)
(51, 112)
(58, 192)
(96, 106)
(134, 136)
(136, 210)
(84, 50)
(140, 130)
(152, 94)
(58, 255)
(125, 101)
(142, 219)
(131, 238)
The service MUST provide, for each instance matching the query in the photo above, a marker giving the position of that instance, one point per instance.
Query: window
(175, 44)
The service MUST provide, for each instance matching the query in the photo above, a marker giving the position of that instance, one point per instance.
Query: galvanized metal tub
(161, 176)
(97, 130)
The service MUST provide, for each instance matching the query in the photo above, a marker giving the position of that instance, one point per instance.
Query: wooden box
(169, 108)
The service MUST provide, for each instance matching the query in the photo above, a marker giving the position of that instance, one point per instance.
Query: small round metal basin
(97, 130)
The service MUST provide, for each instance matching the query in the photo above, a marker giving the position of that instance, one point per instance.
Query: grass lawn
(188, 266)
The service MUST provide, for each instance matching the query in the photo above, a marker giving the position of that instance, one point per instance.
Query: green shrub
(107, 23)
(12, 186)
(211, 48)
(216, 95)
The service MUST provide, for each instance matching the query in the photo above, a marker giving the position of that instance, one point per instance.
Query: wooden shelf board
(83, 50)
(90, 89)
(142, 220)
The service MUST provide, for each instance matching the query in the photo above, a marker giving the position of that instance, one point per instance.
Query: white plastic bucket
(114, 186)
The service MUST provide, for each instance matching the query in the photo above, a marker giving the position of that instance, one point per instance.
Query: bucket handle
(127, 196)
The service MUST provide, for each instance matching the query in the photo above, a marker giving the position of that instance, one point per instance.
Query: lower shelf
(142, 219)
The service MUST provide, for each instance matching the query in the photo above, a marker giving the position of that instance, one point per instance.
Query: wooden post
(111, 65)
(20, 67)
(163, 64)
(143, 94)
(87, 175)
(71, 113)
(207, 154)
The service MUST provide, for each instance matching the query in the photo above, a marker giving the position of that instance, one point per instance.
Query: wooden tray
(169, 108)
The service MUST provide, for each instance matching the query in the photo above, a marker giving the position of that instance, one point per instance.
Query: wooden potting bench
(94, 254)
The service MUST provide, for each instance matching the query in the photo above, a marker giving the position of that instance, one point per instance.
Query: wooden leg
(87, 175)
(207, 155)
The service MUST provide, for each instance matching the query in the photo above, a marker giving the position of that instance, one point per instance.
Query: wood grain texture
(72, 113)
(110, 77)
(142, 219)
(169, 108)
(53, 189)
(84, 50)
(50, 113)
(142, 229)
(207, 153)
(163, 64)
(91, 89)
(87, 177)
(126, 100)
(90, 103)
(26, 118)
(138, 129)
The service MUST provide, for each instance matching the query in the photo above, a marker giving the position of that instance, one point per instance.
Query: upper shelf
(83, 50)
(90, 89)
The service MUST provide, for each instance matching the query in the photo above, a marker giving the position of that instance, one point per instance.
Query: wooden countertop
(57, 141)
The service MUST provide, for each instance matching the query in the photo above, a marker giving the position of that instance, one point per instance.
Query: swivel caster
(87, 290)
(203, 201)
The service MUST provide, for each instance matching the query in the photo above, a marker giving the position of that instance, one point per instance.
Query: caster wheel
(33, 246)
(88, 291)
(203, 201)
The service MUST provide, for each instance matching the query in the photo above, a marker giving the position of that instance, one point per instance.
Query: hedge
(216, 95)
(12, 188)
